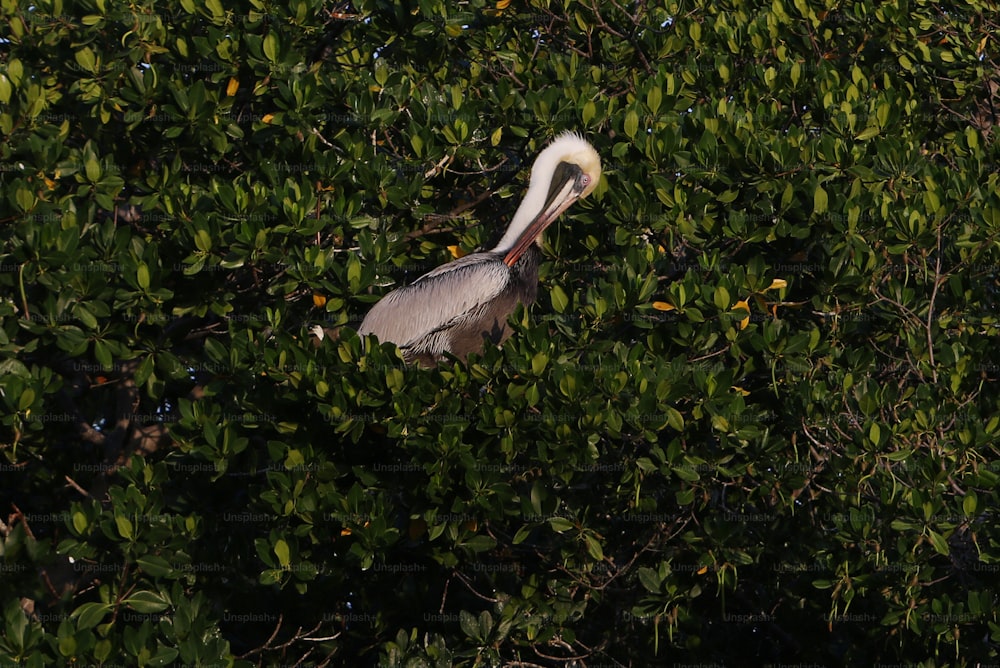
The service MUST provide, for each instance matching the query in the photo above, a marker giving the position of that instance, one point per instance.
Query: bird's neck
(532, 204)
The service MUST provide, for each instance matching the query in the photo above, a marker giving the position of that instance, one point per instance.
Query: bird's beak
(562, 194)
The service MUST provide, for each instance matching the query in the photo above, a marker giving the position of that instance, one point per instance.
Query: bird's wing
(437, 299)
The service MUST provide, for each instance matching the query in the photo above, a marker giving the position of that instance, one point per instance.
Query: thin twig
(475, 593)
(74, 485)
(439, 167)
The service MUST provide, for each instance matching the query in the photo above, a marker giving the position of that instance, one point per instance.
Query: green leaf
(216, 10)
(86, 60)
(164, 656)
(653, 98)
(538, 363)
(5, 88)
(522, 534)
(102, 650)
(674, 419)
(86, 317)
(92, 169)
(26, 400)
(282, 552)
(722, 298)
(899, 455)
(25, 199)
(294, 459)
(939, 542)
(154, 565)
(102, 353)
(538, 495)
(694, 30)
(89, 615)
(124, 527)
(868, 133)
(819, 200)
(594, 548)
(203, 240)
(560, 524)
(470, 626)
(480, 543)
(354, 271)
(424, 29)
(686, 473)
(970, 503)
(145, 370)
(631, 124)
(649, 579)
(67, 645)
(271, 47)
(559, 299)
(146, 602)
(142, 276)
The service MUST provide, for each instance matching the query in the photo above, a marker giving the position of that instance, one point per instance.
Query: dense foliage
(752, 418)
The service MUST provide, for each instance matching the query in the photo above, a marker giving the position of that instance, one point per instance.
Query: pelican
(453, 308)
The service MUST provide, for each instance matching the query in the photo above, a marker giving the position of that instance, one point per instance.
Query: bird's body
(455, 306)
(472, 297)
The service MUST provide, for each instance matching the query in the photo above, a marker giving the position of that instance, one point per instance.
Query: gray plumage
(466, 300)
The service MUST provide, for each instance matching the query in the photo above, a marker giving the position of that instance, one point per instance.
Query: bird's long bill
(559, 200)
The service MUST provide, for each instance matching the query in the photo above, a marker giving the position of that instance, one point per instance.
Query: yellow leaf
(319, 300)
(233, 86)
(702, 570)
(746, 307)
(777, 284)
(663, 306)
(741, 391)
(267, 118)
(503, 4)
(456, 251)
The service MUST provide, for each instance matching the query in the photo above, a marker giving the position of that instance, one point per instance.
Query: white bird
(455, 307)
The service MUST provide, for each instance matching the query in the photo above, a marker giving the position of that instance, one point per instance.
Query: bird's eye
(586, 179)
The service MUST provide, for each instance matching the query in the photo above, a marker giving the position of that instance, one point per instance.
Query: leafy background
(752, 418)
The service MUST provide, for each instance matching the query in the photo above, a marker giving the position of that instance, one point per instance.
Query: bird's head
(567, 170)
(570, 158)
